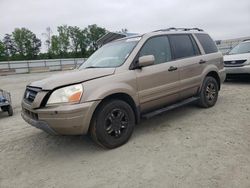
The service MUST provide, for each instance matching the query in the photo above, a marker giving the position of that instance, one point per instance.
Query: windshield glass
(112, 54)
(241, 48)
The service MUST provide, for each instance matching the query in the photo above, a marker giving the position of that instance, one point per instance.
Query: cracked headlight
(69, 94)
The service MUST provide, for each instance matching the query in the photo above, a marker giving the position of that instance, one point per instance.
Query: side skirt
(171, 107)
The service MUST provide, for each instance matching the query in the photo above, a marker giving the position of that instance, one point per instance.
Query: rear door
(158, 84)
(211, 54)
(187, 54)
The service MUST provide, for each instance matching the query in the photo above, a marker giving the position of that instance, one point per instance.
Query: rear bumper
(63, 120)
(238, 70)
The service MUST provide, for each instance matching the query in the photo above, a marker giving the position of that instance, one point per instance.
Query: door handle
(172, 68)
(202, 61)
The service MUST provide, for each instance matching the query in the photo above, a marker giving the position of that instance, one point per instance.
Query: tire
(209, 92)
(10, 111)
(112, 124)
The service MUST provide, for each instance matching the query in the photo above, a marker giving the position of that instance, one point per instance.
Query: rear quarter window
(207, 43)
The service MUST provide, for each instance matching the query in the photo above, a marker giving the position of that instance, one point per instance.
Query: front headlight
(69, 94)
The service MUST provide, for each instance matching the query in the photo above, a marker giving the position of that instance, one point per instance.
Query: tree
(63, 38)
(2, 51)
(78, 40)
(55, 47)
(10, 48)
(83, 42)
(93, 34)
(33, 46)
(26, 42)
(74, 33)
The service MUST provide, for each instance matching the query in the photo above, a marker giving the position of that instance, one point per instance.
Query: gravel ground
(187, 147)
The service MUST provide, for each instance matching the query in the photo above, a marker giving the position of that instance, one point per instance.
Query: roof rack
(179, 29)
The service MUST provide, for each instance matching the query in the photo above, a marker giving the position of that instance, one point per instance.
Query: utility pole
(47, 35)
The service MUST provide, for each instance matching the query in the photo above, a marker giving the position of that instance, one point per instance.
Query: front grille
(30, 114)
(30, 94)
(236, 63)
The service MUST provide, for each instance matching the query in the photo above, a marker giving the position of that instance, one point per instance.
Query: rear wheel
(209, 92)
(112, 124)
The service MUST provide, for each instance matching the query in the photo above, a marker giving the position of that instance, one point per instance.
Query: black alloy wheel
(112, 124)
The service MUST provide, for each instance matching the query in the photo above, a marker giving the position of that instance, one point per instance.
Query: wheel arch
(210, 71)
(124, 97)
(215, 75)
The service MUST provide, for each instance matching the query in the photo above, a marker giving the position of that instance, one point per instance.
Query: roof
(111, 36)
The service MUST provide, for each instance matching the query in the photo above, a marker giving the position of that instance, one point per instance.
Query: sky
(222, 19)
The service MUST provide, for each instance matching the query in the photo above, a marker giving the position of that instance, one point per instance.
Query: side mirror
(146, 60)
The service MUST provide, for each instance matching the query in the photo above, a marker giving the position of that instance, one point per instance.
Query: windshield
(241, 48)
(112, 54)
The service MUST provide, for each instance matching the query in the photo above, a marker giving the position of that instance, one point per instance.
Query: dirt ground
(187, 147)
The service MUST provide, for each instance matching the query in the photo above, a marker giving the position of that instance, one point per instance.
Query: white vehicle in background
(237, 62)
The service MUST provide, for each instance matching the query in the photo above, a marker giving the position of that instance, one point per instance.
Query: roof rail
(179, 29)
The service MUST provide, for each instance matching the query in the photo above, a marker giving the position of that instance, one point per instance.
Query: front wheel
(112, 124)
(209, 92)
(10, 111)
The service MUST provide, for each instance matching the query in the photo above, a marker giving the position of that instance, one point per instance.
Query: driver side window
(159, 47)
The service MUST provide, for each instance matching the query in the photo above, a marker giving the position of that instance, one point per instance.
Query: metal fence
(30, 66)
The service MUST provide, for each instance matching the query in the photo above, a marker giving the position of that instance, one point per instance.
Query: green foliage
(93, 34)
(10, 48)
(70, 42)
(2, 51)
(74, 34)
(63, 38)
(26, 43)
(55, 45)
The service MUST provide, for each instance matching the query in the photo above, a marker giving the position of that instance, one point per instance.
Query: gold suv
(124, 81)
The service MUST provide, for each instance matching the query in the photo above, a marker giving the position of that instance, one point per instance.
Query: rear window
(207, 43)
(183, 46)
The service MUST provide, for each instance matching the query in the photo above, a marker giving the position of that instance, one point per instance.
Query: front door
(158, 84)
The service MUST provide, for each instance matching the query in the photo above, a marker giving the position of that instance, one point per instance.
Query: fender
(209, 68)
(124, 83)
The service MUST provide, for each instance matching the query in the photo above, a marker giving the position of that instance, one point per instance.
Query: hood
(234, 57)
(76, 76)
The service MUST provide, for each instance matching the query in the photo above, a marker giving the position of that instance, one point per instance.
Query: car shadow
(163, 122)
(3, 115)
(45, 144)
(239, 79)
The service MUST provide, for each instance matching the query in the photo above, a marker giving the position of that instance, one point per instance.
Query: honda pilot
(124, 81)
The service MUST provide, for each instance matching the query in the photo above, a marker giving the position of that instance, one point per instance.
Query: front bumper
(238, 70)
(64, 120)
(39, 124)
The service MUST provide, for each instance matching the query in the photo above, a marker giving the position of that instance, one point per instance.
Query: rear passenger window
(207, 43)
(159, 47)
(183, 46)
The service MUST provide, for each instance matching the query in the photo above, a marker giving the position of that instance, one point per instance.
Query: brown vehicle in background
(124, 81)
